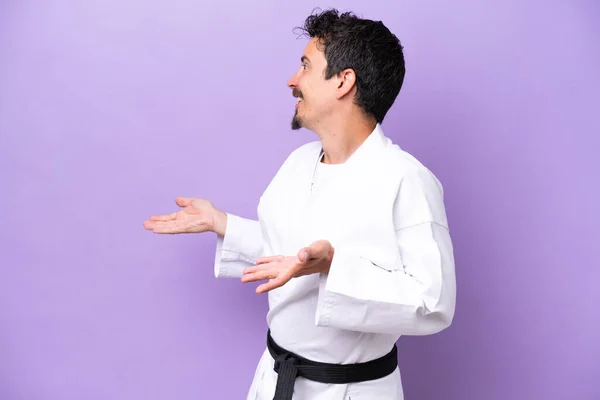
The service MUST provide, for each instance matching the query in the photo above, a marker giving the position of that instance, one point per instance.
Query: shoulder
(306, 150)
(298, 159)
(420, 194)
(301, 155)
(407, 167)
(399, 165)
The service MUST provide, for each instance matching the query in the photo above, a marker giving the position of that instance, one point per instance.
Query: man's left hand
(313, 259)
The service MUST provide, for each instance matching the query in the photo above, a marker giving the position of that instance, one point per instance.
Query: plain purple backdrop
(109, 110)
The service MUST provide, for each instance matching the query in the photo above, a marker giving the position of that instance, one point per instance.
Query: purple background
(108, 110)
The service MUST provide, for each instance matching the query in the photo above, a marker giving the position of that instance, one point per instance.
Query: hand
(280, 269)
(197, 215)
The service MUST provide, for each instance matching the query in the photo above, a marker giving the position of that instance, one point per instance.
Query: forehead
(313, 52)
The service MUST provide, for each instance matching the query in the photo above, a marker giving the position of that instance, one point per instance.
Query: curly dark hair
(365, 46)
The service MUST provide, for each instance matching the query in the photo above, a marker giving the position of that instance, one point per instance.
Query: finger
(264, 260)
(289, 273)
(272, 284)
(304, 254)
(259, 276)
(183, 201)
(149, 225)
(169, 227)
(282, 278)
(251, 270)
(167, 217)
(318, 249)
(257, 267)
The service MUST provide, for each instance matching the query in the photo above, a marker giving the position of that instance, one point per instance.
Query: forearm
(413, 296)
(238, 247)
(415, 312)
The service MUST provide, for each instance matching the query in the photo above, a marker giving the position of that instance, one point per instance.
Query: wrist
(219, 222)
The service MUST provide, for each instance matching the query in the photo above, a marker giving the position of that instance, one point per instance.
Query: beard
(296, 122)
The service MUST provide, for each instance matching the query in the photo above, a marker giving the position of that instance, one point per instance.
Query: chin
(297, 122)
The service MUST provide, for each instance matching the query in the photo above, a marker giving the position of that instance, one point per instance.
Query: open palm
(196, 215)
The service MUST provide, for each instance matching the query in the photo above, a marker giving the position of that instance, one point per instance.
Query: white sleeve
(239, 248)
(414, 296)
(243, 242)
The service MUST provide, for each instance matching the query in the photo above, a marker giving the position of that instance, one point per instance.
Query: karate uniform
(392, 272)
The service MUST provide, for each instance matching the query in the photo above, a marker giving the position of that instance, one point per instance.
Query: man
(352, 239)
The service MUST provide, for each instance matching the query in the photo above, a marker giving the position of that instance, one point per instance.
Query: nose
(293, 81)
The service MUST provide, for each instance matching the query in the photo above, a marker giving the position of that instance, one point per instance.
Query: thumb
(183, 201)
(304, 254)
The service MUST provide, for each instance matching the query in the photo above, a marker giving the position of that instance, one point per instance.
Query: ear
(346, 80)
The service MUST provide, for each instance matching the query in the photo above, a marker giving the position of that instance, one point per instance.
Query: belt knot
(285, 359)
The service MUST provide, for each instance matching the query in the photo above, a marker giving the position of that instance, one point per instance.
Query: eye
(304, 67)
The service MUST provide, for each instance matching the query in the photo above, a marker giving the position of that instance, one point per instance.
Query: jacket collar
(374, 143)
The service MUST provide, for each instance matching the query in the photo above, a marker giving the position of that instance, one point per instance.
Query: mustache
(296, 93)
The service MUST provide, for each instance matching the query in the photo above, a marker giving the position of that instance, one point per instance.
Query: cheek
(304, 85)
(307, 84)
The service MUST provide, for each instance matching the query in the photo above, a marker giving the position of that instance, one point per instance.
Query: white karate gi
(392, 272)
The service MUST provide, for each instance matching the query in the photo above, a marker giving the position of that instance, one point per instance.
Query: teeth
(299, 99)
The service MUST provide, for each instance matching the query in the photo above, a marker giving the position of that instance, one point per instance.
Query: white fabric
(392, 272)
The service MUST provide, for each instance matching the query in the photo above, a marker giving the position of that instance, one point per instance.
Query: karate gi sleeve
(414, 295)
(239, 248)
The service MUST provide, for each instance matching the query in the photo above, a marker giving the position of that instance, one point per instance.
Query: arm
(414, 296)
(239, 244)
(239, 240)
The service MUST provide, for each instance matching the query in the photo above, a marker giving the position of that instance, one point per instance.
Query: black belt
(289, 366)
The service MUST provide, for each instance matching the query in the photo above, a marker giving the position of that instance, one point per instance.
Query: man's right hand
(196, 215)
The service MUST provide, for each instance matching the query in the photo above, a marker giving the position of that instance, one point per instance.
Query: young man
(352, 237)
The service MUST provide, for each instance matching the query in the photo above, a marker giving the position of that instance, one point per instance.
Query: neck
(340, 139)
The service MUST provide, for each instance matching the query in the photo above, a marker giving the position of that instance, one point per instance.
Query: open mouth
(296, 93)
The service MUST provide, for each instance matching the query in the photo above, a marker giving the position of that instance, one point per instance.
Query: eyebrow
(304, 58)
